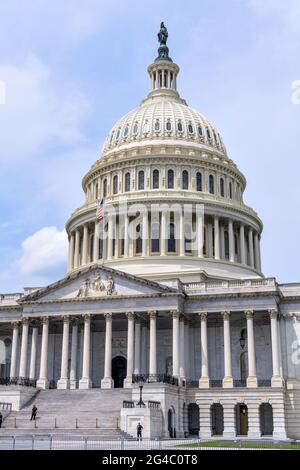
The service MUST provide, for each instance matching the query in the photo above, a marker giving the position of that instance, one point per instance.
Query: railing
(52, 384)
(216, 383)
(226, 284)
(5, 406)
(239, 383)
(155, 378)
(264, 383)
(128, 404)
(192, 383)
(24, 381)
(154, 404)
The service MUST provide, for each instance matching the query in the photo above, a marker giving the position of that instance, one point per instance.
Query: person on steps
(33, 413)
(139, 429)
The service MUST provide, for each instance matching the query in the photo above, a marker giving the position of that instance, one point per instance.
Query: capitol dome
(185, 216)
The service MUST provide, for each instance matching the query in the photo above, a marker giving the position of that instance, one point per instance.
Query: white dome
(163, 118)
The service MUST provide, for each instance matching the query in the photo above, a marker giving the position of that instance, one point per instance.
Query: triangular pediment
(97, 281)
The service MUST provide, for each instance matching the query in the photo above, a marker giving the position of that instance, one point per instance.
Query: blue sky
(72, 68)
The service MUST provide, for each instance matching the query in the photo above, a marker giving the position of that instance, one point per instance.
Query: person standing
(33, 413)
(139, 430)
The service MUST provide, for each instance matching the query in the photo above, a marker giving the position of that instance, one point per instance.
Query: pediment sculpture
(97, 287)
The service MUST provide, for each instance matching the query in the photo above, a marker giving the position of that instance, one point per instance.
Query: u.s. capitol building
(166, 292)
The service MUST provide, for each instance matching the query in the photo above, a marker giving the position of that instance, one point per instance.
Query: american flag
(99, 213)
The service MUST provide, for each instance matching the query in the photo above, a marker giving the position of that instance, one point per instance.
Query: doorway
(217, 419)
(119, 368)
(193, 419)
(241, 419)
(266, 419)
(171, 423)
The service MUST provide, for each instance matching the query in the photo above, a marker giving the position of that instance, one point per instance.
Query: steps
(83, 412)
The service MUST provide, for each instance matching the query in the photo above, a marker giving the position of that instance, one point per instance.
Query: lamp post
(141, 403)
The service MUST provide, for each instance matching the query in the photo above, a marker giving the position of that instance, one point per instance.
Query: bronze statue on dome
(163, 34)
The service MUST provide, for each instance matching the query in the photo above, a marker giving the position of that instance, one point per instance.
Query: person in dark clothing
(33, 413)
(139, 429)
(1, 419)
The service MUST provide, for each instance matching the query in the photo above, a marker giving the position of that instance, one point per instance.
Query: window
(141, 180)
(135, 128)
(155, 179)
(112, 136)
(199, 181)
(230, 190)
(138, 241)
(200, 131)
(105, 188)
(118, 135)
(211, 184)
(125, 134)
(226, 243)
(155, 247)
(115, 184)
(170, 179)
(157, 125)
(127, 182)
(168, 125)
(171, 238)
(185, 179)
(190, 128)
(236, 246)
(222, 190)
(179, 126)
(146, 127)
(208, 134)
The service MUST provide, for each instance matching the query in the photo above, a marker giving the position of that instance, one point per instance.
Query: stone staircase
(77, 412)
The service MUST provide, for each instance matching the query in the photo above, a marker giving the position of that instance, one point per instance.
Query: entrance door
(242, 420)
(119, 367)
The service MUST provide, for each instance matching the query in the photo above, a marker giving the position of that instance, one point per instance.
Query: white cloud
(38, 110)
(44, 250)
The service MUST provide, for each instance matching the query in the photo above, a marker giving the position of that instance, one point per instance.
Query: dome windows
(118, 135)
(155, 179)
(125, 133)
(111, 137)
(211, 185)
(157, 125)
(170, 179)
(222, 188)
(168, 125)
(230, 190)
(208, 134)
(200, 131)
(179, 126)
(146, 127)
(199, 181)
(190, 128)
(115, 184)
(185, 179)
(104, 193)
(135, 128)
(127, 182)
(141, 180)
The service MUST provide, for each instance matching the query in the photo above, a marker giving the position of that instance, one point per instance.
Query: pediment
(97, 282)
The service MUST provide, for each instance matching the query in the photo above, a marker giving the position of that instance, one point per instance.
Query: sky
(70, 69)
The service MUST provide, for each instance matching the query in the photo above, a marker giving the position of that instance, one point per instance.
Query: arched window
(155, 179)
(105, 188)
(118, 135)
(125, 134)
(127, 182)
(179, 126)
(168, 125)
(141, 180)
(135, 128)
(157, 125)
(190, 128)
(115, 184)
(222, 190)
(211, 184)
(138, 241)
(199, 181)
(200, 131)
(170, 179)
(208, 134)
(230, 190)
(171, 239)
(226, 243)
(185, 179)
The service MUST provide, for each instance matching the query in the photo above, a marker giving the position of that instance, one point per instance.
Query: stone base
(107, 382)
(63, 384)
(73, 384)
(276, 381)
(204, 382)
(127, 382)
(42, 383)
(252, 382)
(85, 384)
(228, 382)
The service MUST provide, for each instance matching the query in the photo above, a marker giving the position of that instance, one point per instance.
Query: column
(181, 234)
(71, 251)
(163, 238)
(210, 240)
(110, 237)
(24, 349)
(43, 381)
(126, 236)
(200, 232)
(144, 350)
(85, 381)
(63, 383)
(137, 348)
(229, 419)
(231, 241)
(34, 338)
(253, 418)
(96, 242)
(251, 252)
(242, 244)
(276, 378)
(145, 238)
(205, 418)
(256, 251)
(74, 345)
(77, 247)
(222, 236)
(175, 343)
(217, 238)
(85, 245)
(152, 353)
(228, 379)
(107, 381)
(130, 350)
(187, 349)
(204, 379)
(252, 379)
(14, 351)
(182, 347)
